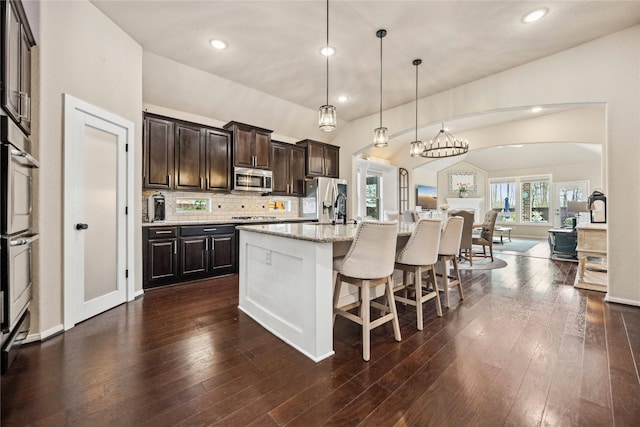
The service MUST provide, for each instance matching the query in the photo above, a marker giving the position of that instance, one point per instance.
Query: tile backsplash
(222, 206)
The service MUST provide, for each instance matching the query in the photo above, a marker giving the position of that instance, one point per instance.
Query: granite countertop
(226, 221)
(316, 232)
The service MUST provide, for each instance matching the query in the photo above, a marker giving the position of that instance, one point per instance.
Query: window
(503, 200)
(372, 197)
(534, 196)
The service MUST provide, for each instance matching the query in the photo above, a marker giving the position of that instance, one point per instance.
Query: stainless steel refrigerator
(326, 200)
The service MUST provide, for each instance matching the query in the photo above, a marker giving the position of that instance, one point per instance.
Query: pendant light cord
(417, 63)
(381, 79)
(327, 52)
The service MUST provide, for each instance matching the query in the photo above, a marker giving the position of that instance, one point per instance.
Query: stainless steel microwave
(247, 179)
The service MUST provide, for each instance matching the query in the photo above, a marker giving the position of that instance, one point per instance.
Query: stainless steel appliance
(326, 200)
(247, 179)
(156, 208)
(17, 238)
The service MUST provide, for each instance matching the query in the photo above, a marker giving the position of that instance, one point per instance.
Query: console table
(592, 242)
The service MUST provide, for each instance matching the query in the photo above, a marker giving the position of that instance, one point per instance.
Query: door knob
(82, 226)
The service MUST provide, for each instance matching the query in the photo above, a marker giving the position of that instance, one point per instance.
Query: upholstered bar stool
(367, 264)
(466, 251)
(486, 235)
(448, 253)
(418, 256)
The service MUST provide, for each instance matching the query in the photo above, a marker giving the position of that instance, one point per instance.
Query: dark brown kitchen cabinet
(183, 253)
(251, 145)
(17, 41)
(160, 256)
(185, 156)
(288, 165)
(158, 145)
(321, 159)
(189, 157)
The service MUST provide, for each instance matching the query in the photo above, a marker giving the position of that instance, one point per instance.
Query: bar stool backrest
(451, 235)
(423, 244)
(373, 251)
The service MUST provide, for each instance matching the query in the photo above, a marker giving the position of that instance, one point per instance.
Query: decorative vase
(463, 194)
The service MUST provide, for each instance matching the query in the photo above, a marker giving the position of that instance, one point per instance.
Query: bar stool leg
(417, 284)
(366, 327)
(435, 286)
(394, 313)
(336, 295)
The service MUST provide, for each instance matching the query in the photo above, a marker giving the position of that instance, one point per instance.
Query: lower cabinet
(182, 253)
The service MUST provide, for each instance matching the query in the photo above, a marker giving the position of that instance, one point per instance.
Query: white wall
(603, 71)
(85, 54)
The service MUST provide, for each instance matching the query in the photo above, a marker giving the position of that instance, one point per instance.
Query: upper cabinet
(288, 162)
(17, 41)
(322, 159)
(251, 146)
(185, 156)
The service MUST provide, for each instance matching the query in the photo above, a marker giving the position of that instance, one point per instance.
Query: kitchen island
(286, 280)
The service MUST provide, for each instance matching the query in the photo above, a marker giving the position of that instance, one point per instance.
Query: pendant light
(327, 118)
(380, 136)
(416, 145)
(445, 145)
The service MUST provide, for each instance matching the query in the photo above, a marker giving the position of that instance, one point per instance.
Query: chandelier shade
(380, 134)
(327, 116)
(445, 145)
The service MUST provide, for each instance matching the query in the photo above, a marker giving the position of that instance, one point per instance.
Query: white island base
(278, 277)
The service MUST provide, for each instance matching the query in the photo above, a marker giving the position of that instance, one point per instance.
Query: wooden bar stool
(448, 253)
(369, 263)
(418, 256)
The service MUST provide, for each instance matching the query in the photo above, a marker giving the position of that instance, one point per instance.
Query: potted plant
(463, 190)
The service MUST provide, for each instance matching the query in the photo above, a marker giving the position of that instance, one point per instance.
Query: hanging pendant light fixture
(416, 145)
(327, 118)
(445, 145)
(380, 136)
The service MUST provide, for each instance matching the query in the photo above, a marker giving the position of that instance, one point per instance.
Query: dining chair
(448, 253)
(486, 234)
(419, 255)
(369, 263)
(467, 234)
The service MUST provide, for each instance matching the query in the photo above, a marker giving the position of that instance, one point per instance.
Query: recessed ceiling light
(327, 51)
(218, 44)
(343, 98)
(536, 109)
(535, 15)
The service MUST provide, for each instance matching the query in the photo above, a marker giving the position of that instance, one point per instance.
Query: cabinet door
(262, 150)
(315, 159)
(217, 153)
(223, 253)
(162, 259)
(296, 171)
(25, 81)
(11, 61)
(189, 157)
(281, 176)
(331, 166)
(193, 256)
(243, 148)
(158, 153)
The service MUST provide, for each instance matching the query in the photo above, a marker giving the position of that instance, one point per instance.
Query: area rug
(483, 264)
(516, 245)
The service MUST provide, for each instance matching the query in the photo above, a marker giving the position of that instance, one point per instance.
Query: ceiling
(274, 45)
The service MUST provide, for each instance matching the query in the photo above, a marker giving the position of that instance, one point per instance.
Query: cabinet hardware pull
(164, 232)
(209, 229)
(169, 180)
(206, 244)
(206, 183)
(27, 101)
(201, 183)
(18, 153)
(175, 248)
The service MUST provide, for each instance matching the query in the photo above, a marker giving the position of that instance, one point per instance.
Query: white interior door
(563, 192)
(97, 188)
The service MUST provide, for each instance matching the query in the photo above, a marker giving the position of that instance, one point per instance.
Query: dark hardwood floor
(524, 349)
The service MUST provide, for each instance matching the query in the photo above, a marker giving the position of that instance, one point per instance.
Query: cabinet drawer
(201, 230)
(162, 232)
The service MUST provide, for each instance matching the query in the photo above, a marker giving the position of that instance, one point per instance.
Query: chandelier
(380, 135)
(445, 145)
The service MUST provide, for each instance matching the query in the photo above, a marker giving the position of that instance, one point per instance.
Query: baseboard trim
(138, 293)
(58, 329)
(625, 301)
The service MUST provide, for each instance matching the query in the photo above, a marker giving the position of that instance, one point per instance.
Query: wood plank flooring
(524, 348)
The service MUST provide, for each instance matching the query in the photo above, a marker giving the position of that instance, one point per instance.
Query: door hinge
(126, 147)
(126, 210)
(126, 273)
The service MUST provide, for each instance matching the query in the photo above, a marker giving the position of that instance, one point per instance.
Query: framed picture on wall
(427, 197)
(458, 179)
